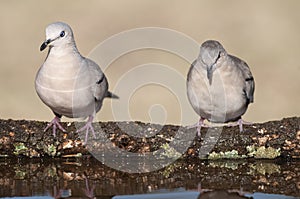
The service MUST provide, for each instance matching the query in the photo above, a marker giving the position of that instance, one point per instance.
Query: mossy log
(269, 140)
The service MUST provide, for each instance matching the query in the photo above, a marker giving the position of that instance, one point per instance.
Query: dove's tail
(111, 95)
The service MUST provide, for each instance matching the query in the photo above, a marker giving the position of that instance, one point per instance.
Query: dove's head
(58, 34)
(211, 52)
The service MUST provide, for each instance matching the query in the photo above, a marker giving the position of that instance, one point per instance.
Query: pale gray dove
(219, 86)
(70, 84)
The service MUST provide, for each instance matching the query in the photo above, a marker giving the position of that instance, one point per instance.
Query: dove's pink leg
(240, 123)
(199, 124)
(88, 126)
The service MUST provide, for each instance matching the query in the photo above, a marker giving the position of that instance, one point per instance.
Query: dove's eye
(62, 34)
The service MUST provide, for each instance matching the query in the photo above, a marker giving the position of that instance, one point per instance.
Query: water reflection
(89, 190)
(88, 178)
(216, 194)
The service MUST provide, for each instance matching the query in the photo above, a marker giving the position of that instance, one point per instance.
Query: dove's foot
(199, 124)
(240, 123)
(55, 123)
(88, 126)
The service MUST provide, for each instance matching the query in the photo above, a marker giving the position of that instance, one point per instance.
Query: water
(89, 178)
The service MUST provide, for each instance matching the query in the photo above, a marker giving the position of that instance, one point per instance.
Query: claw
(55, 123)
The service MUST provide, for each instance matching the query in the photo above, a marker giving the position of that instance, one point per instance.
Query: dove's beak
(45, 44)
(210, 74)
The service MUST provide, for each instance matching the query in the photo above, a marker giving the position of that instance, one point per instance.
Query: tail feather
(111, 95)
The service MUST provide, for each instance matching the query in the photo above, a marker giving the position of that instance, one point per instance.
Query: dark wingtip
(111, 95)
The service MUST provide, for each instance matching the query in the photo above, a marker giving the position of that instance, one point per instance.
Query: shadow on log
(270, 140)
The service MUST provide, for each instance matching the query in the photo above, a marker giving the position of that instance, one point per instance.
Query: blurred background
(265, 34)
